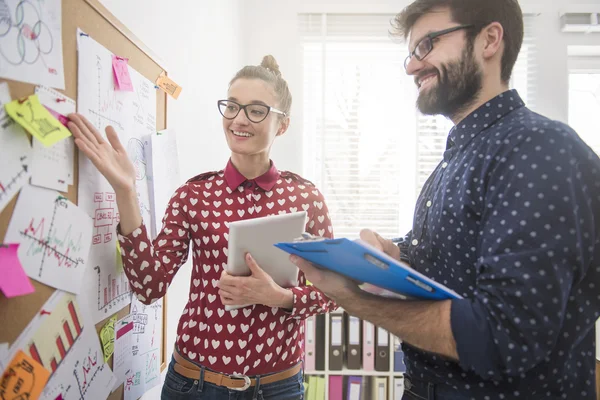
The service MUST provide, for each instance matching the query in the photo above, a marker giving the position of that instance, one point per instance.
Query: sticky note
(121, 74)
(119, 258)
(14, 281)
(107, 337)
(37, 120)
(169, 86)
(24, 378)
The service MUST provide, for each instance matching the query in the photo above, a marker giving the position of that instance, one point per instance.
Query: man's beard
(457, 88)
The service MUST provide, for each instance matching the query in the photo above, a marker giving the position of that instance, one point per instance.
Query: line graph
(86, 370)
(50, 244)
(55, 237)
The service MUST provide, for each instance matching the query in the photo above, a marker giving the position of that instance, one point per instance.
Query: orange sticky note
(24, 378)
(169, 86)
(121, 74)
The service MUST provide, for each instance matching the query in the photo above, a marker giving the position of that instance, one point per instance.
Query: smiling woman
(255, 349)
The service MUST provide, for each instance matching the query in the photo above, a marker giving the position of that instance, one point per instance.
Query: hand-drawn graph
(73, 373)
(16, 153)
(86, 369)
(145, 347)
(133, 115)
(112, 292)
(61, 329)
(30, 41)
(55, 237)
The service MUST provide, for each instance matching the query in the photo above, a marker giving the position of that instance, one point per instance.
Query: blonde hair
(268, 71)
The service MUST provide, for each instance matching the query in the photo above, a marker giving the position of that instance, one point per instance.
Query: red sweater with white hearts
(253, 340)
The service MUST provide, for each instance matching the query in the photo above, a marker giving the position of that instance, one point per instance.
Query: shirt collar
(484, 117)
(266, 181)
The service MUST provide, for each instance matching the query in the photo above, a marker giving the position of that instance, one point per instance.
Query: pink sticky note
(121, 73)
(14, 281)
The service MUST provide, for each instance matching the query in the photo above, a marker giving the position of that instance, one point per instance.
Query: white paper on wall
(63, 339)
(31, 42)
(15, 153)
(133, 115)
(55, 237)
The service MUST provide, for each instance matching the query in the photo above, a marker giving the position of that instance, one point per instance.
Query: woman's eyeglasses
(256, 113)
(425, 46)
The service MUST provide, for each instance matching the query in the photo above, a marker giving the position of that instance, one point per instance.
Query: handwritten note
(24, 378)
(121, 73)
(37, 120)
(169, 86)
(107, 336)
(14, 281)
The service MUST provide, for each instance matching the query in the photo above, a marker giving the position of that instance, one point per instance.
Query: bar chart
(59, 332)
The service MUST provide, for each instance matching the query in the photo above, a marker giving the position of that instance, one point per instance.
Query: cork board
(93, 18)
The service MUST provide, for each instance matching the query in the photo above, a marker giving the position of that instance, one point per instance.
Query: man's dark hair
(479, 14)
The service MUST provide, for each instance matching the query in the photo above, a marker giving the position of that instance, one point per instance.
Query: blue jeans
(179, 387)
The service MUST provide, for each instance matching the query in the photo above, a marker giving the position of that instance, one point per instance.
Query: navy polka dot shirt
(510, 219)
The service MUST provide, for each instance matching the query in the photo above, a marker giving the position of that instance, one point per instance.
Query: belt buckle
(246, 379)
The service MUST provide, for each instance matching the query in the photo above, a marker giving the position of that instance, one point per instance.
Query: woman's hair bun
(270, 63)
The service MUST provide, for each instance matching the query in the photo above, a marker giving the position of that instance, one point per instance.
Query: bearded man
(509, 219)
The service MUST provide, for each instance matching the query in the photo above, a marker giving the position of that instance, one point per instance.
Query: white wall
(199, 42)
(278, 35)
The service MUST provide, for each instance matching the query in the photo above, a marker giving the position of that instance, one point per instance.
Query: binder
(336, 342)
(398, 388)
(353, 348)
(320, 391)
(320, 343)
(336, 387)
(379, 390)
(354, 387)
(398, 356)
(382, 350)
(311, 392)
(310, 337)
(368, 358)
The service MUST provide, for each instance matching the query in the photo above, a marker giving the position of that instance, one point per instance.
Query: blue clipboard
(362, 262)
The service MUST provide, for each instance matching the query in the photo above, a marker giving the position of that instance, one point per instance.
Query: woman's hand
(110, 157)
(258, 288)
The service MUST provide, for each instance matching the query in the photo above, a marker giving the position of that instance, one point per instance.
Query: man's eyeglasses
(425, 46)
(256, 113)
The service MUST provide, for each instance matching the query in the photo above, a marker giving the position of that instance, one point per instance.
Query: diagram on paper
(31, 42)
(16, 153)
(133, 116)
(112, 291)
(63, 339)
(50, 345)
(55, 237)
(145, 348)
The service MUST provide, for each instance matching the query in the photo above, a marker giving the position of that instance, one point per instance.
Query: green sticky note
(107, 337)
(119, 259)
(37, 120)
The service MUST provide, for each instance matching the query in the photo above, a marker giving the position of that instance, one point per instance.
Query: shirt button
(415, 242)
(429, 203)
(444, 165)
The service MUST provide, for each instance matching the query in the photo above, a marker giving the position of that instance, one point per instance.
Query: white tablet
(257, 236)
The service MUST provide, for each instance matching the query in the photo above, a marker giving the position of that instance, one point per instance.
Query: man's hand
(385, 245)
(258, 288)
(335, 286)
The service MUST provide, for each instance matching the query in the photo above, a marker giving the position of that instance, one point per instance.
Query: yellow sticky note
(119, 259)
(24, 378)
(107, 337)
(37, 120)
(169, 86)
